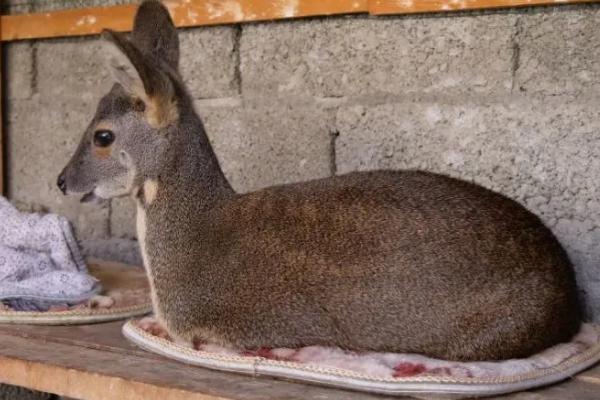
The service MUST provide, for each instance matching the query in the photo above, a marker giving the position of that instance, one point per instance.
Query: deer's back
(394, 261)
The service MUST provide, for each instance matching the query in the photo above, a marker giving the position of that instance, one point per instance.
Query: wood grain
(90, 21)
(95, 362)
(187, 13)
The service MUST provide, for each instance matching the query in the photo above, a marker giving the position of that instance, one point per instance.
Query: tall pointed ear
(154, 33)
(141, 78)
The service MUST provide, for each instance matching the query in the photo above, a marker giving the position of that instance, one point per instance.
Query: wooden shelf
(95, 362)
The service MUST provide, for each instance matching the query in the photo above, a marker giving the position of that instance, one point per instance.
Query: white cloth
(40, 261)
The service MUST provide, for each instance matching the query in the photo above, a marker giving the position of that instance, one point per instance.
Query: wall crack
(333, 135)
(516, 53)
(34, 68)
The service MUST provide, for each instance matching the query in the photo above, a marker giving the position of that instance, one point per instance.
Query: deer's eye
(103, 138)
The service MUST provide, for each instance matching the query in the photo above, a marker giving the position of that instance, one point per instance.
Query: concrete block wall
(508, 99)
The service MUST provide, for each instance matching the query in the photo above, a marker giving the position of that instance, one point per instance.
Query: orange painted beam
(2, 166)
(186, 13)
(387, 7)
(76, 22)
(90, 21)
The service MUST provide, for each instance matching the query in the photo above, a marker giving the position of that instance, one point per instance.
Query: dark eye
(103, 138)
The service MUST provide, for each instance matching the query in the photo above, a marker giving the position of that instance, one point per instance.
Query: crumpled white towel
(40, 262)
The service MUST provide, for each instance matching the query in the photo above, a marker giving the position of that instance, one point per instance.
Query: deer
(387, 260)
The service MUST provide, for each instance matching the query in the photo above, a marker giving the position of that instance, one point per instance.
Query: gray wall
(508, 99)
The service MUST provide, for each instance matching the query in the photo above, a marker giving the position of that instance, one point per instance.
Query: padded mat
(385, 373)
(125, 294)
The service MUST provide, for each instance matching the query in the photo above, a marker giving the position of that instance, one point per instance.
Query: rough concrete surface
(72, 71)
(42, 134)
(209, 61)
(25, 6)
(118, 249)
(361, 55)
(558, 51)
(262, 142)
(508, 99)
(19, 71)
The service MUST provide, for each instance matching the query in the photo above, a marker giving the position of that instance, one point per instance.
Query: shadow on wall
(8, 392)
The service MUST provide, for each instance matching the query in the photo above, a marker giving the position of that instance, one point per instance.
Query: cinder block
(265, 142)
(360, 56)
(19, 70)
(208, 61)
(76, 67)
(73, 69)
(114, 249)
(41, 136)
(122, 218)
(559, 50)
(20, 7)
(542, 152)
(15, 7)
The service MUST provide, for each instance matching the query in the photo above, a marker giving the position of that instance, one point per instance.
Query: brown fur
(388, 261)
(161, 112)
(102, 152)
(402, 261)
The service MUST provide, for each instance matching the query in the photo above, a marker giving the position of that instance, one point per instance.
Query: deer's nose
(62, 184)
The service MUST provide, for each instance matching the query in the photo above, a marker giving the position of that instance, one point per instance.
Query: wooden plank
(96, 336)
(187, 13)
(90, 21)
(571, 389)
(84, 21)
(387, 7)
(96, 362)
(592, 375)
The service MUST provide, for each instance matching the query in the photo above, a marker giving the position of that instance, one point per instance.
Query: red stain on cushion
(265, 352)
(408, 369)
(197, 343)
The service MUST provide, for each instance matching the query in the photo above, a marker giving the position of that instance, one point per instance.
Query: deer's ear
(125, 63)
(141, 78)
(155, 35)
(132, 70)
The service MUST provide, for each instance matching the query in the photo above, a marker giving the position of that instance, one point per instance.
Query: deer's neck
(192, 175)
(197, 168)
(172, 210)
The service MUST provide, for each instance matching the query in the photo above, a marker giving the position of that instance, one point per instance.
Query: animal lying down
(390, 373)
(380, 261)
